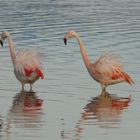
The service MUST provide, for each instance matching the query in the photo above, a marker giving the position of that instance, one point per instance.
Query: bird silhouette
(107, 70)
(27, 64)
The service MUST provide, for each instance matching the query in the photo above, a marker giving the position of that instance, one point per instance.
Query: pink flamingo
(27, 64)
(107, 70)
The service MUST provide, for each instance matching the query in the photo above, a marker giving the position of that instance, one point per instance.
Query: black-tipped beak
(1, 43)
(65, 41)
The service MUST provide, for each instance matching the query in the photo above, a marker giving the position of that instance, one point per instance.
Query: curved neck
(12, 49)
(83, 52)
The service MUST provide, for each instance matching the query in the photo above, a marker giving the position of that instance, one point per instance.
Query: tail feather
(124, 76)
(128, 79)
(39, 73)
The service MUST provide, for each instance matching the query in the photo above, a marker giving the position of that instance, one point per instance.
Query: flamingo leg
(31, 89)
(22, 90)
(103, 89)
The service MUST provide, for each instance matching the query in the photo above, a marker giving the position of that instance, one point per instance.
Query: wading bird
(107, 70)
(26, 63)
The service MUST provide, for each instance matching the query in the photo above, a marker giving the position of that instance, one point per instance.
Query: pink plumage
(27, 63)
(107, 70)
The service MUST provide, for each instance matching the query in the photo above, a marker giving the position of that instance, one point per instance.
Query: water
(68, 104)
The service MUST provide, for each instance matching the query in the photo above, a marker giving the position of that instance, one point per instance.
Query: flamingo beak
(1, 43)
(65, 41)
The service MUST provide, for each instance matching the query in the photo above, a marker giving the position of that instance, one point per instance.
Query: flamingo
(26, 63)
(107, 70)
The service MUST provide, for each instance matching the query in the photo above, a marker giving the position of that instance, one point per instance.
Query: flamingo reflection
(26, 102)
(104, 110)
(25, 111)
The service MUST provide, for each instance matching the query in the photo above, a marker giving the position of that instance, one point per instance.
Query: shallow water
(68, 103)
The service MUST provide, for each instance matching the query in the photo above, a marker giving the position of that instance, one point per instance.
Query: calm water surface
(68, 104)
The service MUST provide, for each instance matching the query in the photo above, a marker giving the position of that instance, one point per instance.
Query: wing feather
(108, 64)
(27, 59)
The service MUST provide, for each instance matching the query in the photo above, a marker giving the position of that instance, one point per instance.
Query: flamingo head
(69, 35)
(4, 35)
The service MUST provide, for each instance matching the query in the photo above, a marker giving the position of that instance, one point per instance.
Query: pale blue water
(72, 107)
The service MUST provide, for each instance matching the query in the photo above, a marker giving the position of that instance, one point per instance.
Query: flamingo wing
(28, 61)
(109, 66)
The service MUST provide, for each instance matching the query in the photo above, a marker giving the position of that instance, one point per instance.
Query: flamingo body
(107, 70)
(26, 63)
(27, 67)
